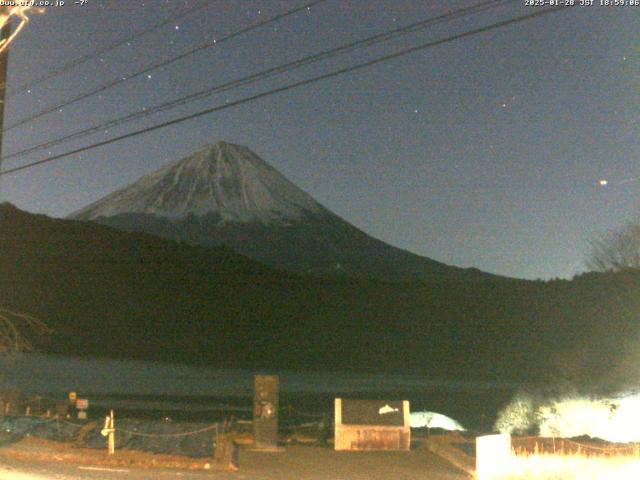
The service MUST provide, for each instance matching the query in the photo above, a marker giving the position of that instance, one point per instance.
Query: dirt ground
(312, 463)
(295, 462)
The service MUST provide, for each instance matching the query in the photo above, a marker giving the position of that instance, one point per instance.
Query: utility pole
(5, 33)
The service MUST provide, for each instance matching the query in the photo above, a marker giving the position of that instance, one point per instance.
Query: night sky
(486, 152)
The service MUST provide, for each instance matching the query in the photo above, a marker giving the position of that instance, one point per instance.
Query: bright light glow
(496, 460)
(603, 183)
(517, 417)
(14, 475)
(557, 466)
(614, 419)
(493, 456)
(576, 417)
(6, 14)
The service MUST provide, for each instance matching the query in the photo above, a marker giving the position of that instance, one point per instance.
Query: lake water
(162, 386)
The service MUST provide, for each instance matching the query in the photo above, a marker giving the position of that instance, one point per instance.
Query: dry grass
(576, 466)
(536, 458)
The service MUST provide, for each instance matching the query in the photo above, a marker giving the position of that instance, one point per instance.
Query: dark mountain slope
(111, 293)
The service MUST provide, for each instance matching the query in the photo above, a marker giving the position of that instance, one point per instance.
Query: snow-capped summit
(225, 194)
(227, 181)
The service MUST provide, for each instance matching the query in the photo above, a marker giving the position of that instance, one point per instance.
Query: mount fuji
(224, 194)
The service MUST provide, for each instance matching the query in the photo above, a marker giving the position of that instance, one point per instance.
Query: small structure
(493, 456)
(82, 405)
(372, 425)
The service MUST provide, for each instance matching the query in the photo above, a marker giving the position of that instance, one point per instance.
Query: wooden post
(112, 434)
(109, 431)
(225, 455)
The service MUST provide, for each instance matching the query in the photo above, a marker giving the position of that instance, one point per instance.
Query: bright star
(603, 183)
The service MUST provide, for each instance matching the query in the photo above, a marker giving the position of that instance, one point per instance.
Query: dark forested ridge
(316, 244)
(129, 295)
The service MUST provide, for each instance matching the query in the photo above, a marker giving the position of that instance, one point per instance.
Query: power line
(163, 63)
(97, 53)
(264, 74)
(291, 86)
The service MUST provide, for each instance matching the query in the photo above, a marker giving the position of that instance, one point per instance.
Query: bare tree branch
(17, 328)
(616, 251)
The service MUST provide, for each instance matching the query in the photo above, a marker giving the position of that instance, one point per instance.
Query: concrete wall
(372, 437)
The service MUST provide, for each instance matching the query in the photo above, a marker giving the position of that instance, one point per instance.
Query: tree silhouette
(616, 251)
